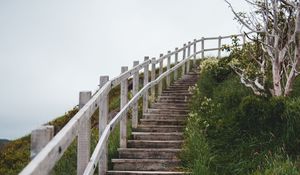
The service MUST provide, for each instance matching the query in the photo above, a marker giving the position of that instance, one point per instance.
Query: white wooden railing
(80, 125)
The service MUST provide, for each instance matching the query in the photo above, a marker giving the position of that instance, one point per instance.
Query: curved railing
(79, 125)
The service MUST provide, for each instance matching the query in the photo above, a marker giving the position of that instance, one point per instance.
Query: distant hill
(3, 141)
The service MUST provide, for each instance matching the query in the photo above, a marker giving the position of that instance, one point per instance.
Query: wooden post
(135, 89)
(202, 46)
(146, 80)
(103, 120)
(84, 136)
(195, 51)
(153, 69)
(168, 79)
(124, 99)
(189, 54)
(219, 45)
(40, 138)
(160, 84)
(176, 62)
(183, 57)
(244, 39)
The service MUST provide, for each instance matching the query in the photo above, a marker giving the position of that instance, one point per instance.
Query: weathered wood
(103, 119)
(176, 62)
(116, 81)
(153, 69)
(220, 47)
(202, 47)
(84, 136)
(146, 80)
(46, 159)
(168, 79)
(160, 85)
(188, 55)
(124, 99)
(135, 89)
(40, 138)
(195, 51)
(183, 57)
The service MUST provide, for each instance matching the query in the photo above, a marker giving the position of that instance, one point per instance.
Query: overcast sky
(52, 49)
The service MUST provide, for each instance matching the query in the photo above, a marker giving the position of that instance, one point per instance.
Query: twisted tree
(277, 23)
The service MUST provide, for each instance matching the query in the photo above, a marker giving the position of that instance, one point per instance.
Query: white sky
(52, 49)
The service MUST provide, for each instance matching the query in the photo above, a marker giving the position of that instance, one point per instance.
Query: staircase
(157, 141)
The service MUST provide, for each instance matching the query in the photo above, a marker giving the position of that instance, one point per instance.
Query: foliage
(237, 132)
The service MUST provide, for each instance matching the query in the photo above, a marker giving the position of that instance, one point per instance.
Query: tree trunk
(276, 77)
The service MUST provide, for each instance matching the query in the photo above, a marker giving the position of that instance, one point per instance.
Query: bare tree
(278, 24)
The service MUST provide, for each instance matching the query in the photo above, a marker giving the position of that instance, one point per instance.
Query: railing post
(183, 57)
(176, 62)
(124, 99)
(202, 46)
(168, 79)
(84, 136)
(135, 89)
(189, 54)
(219, 45)
(160, 84)
(40, 138)
(146, 80)
(195, 51)
(244, 39)
(153, 69)
(103, 120)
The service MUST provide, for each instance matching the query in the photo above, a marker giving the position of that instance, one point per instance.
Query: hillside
(232, 131)
(3, 142)
(14, 156)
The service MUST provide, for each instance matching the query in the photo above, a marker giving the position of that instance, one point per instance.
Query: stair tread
(144, 160)
(149, 172)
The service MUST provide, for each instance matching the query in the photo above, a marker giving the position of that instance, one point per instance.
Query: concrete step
(162, 122)
(157, 135)
(159, 128)
(170, 106)
(145, 164)
(154, 143)
(142, 153)
(145, 173)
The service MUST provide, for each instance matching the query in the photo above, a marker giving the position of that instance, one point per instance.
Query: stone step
(154, 143)
(145, 164)
(183, 97)
(171, 103)
(142, 153)
(159, 128)
(157, 135)
(162, 122)
(165, 116)
(145, 173)
(169, 107)
(168, 111)
(174, 101)
(176, 94)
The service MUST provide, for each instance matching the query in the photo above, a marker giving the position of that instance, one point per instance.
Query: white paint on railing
(52, 152)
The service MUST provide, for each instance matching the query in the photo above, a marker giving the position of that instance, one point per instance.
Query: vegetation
(232, 131)
(15, 155)
(277, 25)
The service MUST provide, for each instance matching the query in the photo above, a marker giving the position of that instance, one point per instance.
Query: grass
(231, 131)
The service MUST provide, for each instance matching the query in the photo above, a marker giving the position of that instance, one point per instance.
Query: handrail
(112, 124)
(53, 151)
